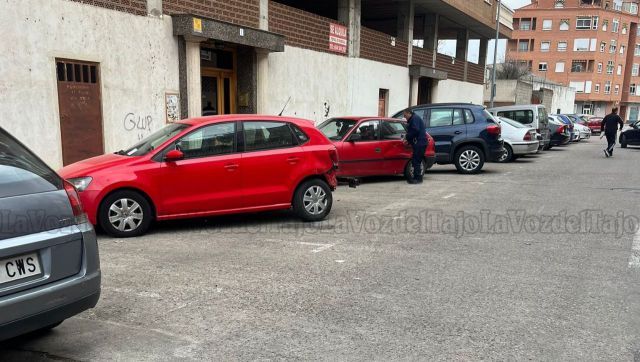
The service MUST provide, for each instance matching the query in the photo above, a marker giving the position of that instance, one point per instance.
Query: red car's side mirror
(174, 155)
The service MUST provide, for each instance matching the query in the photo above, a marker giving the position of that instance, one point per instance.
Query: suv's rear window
(524, 116)
(21, 172)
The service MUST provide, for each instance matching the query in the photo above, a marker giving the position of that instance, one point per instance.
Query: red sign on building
(338, 38)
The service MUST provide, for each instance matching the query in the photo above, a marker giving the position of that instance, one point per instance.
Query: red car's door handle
(232, 166)
(293, 160)
(378, 150)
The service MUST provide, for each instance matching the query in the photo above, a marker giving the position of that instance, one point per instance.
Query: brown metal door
(80, 110)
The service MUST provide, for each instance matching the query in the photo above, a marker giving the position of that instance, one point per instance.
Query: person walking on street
(417, 138)
(609, 128)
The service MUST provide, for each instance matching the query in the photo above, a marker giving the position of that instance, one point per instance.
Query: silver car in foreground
(49, 265)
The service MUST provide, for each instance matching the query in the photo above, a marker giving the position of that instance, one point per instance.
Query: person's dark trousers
(416, 160)
(611, 141)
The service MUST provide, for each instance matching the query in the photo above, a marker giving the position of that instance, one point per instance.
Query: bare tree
(511, 69)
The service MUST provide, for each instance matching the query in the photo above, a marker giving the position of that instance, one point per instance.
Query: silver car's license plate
(19, 267)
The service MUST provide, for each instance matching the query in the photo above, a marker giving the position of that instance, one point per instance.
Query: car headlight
(80, 183)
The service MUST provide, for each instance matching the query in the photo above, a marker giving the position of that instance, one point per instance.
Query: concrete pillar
(462, 48)
(413, 91)
(482, 53)
(262, 92)
(431, 35)
(349, 13)
(406, 15)
(194, 86)
(262, 65)
(264, 15)
(154, 8)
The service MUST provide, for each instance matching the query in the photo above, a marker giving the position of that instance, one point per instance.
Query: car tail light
(560, 129)
(431, 145)
(494, 129)
(76, 205)
(527, 137)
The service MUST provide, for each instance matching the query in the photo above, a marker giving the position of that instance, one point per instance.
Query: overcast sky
(450, 47)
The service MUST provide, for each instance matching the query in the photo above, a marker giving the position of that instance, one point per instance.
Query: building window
(560, 67)
(523, 45)
(547, 24)
(607, 87)
(619, 72)
(636, 51)
(605, 25)
(597, 88)
(578, 66)
(603, 47)
(544, 46)
(586, 108)
(616, 89)
(559, 4)
(617, 5)
(615, 25)
(610, 67)
(632, 88)
(578, 86)
(633, 8)
(562, 46)
(564, 24)
(624, 28)
(599, 67)
(612, 47)
(584, 22)
(635, 70)
(542, 66)
(622, 48)
(581, 45)
(525, 24)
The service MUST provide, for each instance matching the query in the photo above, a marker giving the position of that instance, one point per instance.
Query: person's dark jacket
(610, 123)
(416, 133)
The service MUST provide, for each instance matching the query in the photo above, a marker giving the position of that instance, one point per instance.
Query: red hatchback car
(209, 166)
(371, 146)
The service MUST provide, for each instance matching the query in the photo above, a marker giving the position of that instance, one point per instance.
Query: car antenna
(285, 107)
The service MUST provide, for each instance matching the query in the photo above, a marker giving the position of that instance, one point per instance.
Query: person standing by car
(609, 128)
(417, 138)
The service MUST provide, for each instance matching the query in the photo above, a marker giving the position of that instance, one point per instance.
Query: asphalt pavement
(536, 259)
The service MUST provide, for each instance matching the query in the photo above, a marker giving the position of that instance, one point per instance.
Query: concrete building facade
(589, 45)
(83, 77)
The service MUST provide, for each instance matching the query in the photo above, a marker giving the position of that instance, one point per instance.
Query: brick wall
(240, 12)
(422, 57)
(377, 46)
(137, 7)
(301, 29)
(454, 71)
(475, 73)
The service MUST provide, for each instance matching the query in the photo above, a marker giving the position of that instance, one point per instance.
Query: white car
(518, 139)
(582, 130)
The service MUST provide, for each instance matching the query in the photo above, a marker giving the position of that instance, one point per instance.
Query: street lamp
(495, 55)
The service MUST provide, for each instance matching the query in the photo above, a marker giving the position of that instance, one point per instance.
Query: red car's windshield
(154, 140)
(336, 129)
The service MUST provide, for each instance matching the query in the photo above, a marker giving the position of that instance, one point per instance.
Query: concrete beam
(431, 25)
(482, 53)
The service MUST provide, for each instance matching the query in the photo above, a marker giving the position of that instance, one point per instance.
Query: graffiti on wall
(139, 124)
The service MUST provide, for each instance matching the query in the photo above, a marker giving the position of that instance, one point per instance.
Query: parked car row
(221, 165)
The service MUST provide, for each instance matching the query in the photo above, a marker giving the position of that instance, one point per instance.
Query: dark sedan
(631, 135)
(560, 134)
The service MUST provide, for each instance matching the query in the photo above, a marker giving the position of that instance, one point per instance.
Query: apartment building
(589, 45)
(84, 77)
